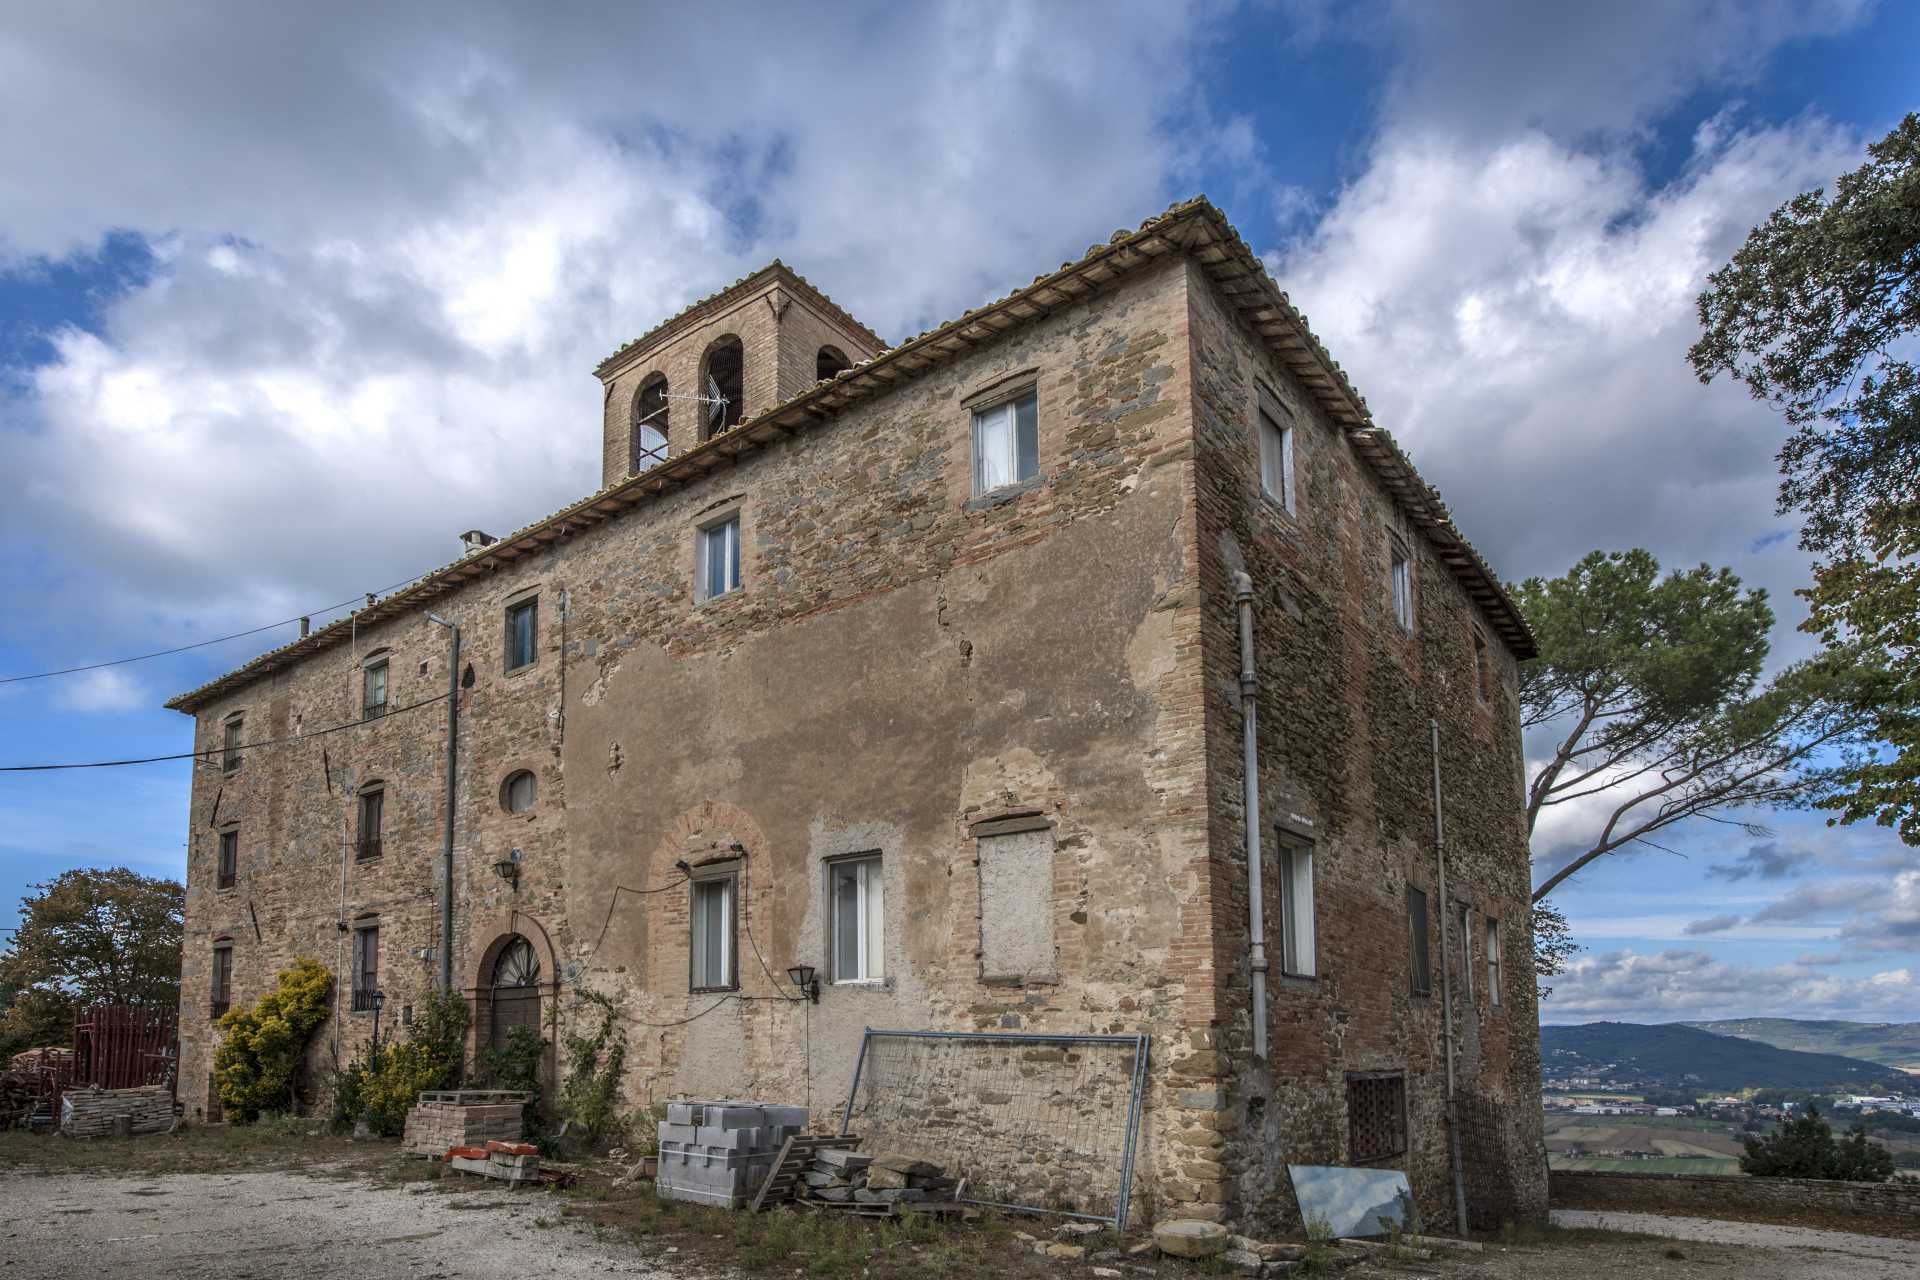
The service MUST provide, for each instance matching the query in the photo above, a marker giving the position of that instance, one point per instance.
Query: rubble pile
(845, 1177)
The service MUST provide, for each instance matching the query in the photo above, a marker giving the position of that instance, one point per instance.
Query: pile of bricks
(720, 1152)
(514, 1163)
(843, 1177)
(462, 1118)
(106, 1113)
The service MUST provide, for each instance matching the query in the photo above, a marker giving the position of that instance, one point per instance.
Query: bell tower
(722, 361)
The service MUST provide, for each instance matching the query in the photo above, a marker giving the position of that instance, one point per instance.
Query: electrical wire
(201, 644)
(617, 891)
(248, 746)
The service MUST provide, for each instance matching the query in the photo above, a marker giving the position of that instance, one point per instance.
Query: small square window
(1006, 444)
(523, 624)
(1296, 908)
(1401, 581)
(1276, 459)
(858, 898)
(1417, 926)
(373, 690)
(373, 804)
(220, 987)
(230, 756)
(229, 858)
(718, 570)
(1493, 961)
(711, 914)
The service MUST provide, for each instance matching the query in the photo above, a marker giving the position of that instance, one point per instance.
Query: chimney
(473, 540)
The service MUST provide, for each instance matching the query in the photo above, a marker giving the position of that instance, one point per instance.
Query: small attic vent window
(830, 361)
(722, 383)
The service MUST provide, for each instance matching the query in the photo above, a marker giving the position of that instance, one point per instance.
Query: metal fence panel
(1046, 1123)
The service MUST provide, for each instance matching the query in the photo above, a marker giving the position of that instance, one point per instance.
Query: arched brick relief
(710, 832)
(493, 934)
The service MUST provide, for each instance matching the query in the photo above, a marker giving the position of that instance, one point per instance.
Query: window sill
(226, 888)
(521, 670)
(722, 598)
(1004, 494)
(712, 991)
(870, 984)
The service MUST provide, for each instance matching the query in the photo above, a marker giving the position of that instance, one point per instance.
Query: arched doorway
(513, 991)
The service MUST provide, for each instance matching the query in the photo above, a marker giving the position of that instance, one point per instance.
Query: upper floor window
(229, 870)
(859, 895)
(520, 791)
(1493, 960)
(523, 618)
(1465, 915)
(230, 754)
(366, 963)
(711, 921)
(1296, 908)
(718, 569)
(831, 360)
(1400, 574)
(1482, 665)
(1417, 926)
(373, 806)
(1276, 457)
(220, 983)
(1006, 443)
(373, 689)
(650, 406)
(723, 384)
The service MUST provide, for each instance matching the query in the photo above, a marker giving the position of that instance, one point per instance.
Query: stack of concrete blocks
(719, 1153)
(438, 1124)
(843, 1176)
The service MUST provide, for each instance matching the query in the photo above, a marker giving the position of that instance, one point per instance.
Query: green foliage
(383, 1086)
(1553, 944)
(516, 1065)
(1804, 1147)
(261, 1048)
(89, 936)
(1816, 314)
(1652, 687)
(590, 1095)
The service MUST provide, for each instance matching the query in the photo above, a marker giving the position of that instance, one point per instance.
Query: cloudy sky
(268, 274)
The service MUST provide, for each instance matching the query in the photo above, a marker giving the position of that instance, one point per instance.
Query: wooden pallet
(790, 1168)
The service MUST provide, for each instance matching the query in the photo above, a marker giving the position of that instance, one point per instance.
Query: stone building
(921, 665)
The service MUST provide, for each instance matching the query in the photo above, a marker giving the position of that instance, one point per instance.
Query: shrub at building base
(1804, 1147)
(590, 1095)
(516, 1066)
(382, 1087)
(261, 1048)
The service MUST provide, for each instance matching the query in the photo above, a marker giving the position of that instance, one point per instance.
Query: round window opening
(520, 792)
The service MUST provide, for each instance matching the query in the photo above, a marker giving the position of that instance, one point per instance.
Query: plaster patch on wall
(1016, 906)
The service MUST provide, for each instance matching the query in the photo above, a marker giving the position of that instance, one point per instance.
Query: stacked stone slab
(100, 1113)
(437, 1125)
(720, 1152)
(842, 1177)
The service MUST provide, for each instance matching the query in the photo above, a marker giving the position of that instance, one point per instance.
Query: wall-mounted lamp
(804, 977)
(379, 998)
(508, 868)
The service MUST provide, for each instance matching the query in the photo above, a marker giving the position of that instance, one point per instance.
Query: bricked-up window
(366, 963)
(1016, 900)
(1006, 443)
(1417, 928)
(1482, 665)
(650, 406)
(1276, 456)
(230, 755)
(1296, 907)
(523, 628)
(857, 896)
(723, 383)
(1493, 961)
(712, 918)
(220, 986)
(830, 361)
(229, 870)
(373, 689)
(1376, 1116)
(718, 554)
(1400, 575)
(373, 807)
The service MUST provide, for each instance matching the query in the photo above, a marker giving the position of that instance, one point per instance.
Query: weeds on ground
(1318, 1259)
(271, 1141)
(1547, 1236)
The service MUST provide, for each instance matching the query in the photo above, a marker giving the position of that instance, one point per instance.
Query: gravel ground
(267, 1225)
(1788, 1251)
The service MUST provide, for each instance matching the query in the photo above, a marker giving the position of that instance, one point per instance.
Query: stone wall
(1738, 1197)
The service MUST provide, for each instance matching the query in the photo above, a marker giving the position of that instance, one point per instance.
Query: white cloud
(1684, 984)
(107, 689)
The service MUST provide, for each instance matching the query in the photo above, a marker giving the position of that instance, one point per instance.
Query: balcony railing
(373, 710)
(363, 999)
(225, 880)
(217, 1006)
(368, 848)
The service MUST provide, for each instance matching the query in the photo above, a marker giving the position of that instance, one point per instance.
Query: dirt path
(1824, 1252)
(280, 1224)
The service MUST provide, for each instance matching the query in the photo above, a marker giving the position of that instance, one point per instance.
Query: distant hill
(1681, 1056)
(1897, 1044)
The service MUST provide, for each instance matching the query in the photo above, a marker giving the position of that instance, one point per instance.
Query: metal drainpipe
(1250, 768)
(446, 845)
(1446, 991)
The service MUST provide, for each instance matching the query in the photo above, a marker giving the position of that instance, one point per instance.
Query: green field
(1668, 1164)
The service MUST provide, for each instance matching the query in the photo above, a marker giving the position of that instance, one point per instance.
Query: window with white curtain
(719, 567)
(859, 897)
(711, 915)
(1276, 458)
(1466, 948)
(1006, 444)
(1296, 908)
(1402, 578)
